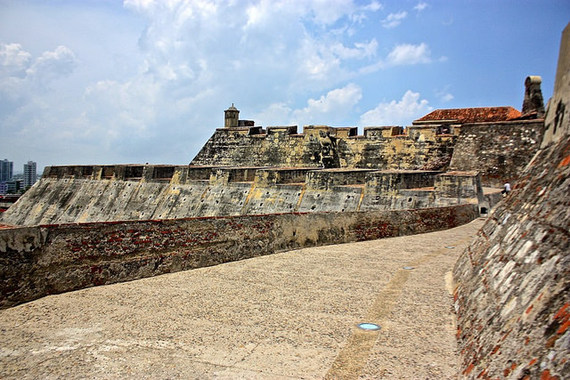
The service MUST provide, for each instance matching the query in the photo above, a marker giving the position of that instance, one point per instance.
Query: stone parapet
(50, 259)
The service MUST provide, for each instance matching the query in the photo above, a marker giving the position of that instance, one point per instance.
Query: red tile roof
(472, 115)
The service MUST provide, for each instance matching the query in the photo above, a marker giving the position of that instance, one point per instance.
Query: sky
(87, 82)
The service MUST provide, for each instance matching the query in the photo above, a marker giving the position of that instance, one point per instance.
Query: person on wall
(506, 189)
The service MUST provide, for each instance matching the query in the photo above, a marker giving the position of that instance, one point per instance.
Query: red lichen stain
(483, 374)
(562, 312)
(564, 161)
(532, 362)
(564, 327)
(510, 369)
(528, 309)
(526, 341)
(546, 376)
(469, 369)
(497, 347)
(564, 316)
(506, 335)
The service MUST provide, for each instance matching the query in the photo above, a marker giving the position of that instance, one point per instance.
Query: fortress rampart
(513, 282)
(250, 170)
(500, 148)
(498, 151)
(71, 194)
(41, 260)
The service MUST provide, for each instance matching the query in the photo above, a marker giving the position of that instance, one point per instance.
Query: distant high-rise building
(29, 174)
(6, 169)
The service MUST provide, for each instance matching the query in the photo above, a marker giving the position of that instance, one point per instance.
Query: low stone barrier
(49, 259)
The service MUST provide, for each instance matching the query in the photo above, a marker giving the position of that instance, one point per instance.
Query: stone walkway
(292, 315)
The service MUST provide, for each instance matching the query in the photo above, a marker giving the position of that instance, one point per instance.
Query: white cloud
(274, 114)
(409, 54)
(361, 50)
(373, 6)
(404, 54)
(23, 78)
(401, 112)
(329, 108)
(447, 97)
(444, 95)
(13, 59)
(421, 6)
(52, 64)
(16, 62)
(394, 19)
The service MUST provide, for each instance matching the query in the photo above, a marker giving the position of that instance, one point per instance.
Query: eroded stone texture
(513, 297)
(112, 193)
(499, 151)
(37, 261)
(328, 147)
(513, 293)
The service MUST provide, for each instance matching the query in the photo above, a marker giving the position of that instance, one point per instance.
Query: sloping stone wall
(513, 282)
(129, 192)
(37, 261)
(513, 295)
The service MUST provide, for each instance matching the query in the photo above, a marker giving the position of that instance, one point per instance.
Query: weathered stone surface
(328, 147)
(50, 259)
(513, 293)
(514, 280)
(103, 194)
(499, 151)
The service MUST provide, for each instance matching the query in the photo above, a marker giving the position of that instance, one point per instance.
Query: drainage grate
(369, 326)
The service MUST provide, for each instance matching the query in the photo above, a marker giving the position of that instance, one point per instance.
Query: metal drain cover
(369, 326)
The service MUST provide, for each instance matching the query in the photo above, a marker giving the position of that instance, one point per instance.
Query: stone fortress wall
(513, 282)
(110, 193)
(445, 158)
(50, 259)
(497, 146)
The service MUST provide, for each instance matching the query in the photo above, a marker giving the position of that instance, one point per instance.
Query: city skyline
(18, 168)
(12, 181)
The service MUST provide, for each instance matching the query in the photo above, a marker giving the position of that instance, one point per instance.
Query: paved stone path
(292, 315)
